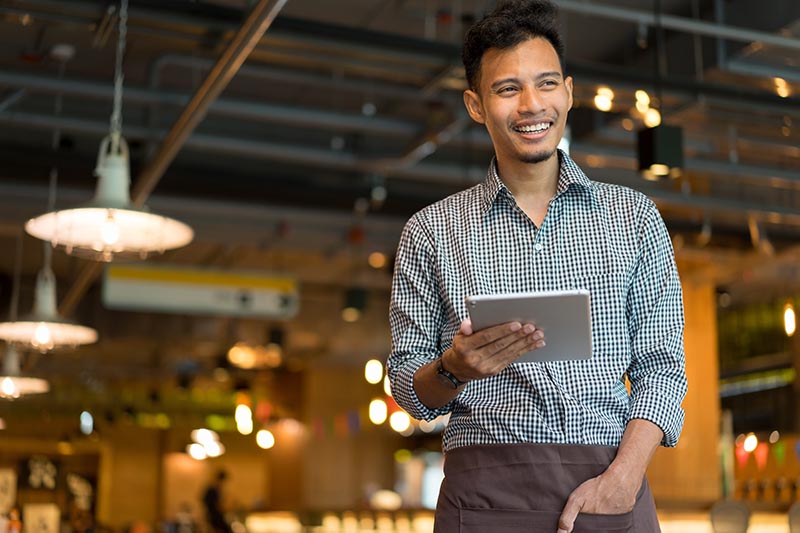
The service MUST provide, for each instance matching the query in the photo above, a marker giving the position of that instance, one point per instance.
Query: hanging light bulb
(110, 225)
(789, 321)
(12, 384)
(43, 328)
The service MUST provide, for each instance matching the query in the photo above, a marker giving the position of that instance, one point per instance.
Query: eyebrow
(550, 74)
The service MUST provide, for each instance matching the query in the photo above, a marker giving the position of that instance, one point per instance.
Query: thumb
(466, 327)
(567, 519)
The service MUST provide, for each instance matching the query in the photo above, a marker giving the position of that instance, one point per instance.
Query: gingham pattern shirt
(605, 238)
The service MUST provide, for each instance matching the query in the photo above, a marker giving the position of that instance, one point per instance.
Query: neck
(530, 181)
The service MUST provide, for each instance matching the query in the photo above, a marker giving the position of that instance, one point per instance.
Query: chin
(537, 157)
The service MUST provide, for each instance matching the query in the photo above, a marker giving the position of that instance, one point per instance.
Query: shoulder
(624, 201)
(448, 214)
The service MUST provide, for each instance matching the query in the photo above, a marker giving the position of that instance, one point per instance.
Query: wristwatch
(446, 378)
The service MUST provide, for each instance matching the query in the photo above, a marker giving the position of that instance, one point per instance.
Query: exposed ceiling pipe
(686, 25)
(229, 107)
(257, 22)
(443, 173)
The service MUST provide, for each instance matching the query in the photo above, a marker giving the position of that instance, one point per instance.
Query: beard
(537, 157)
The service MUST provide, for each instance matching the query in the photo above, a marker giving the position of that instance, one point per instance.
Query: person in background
(212, 501)
(549, 447)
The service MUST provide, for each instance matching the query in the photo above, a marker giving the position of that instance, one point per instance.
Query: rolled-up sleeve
(656, 322)
(415, 317)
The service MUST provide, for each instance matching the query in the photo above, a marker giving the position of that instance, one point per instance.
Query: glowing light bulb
(42, 338)
(652, 118)
(265, 439)
(602, 102)
(789, 320)
(400, 421)
(373, 371)
(750, 443)
(110, 230)
(7, 388)
(377, 411)
(387, 386)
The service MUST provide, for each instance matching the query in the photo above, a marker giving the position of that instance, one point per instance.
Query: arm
(657, 376)
(475, 355)
(417, 318)
(614, 491)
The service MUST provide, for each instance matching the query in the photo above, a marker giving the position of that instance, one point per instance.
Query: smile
(534, 128)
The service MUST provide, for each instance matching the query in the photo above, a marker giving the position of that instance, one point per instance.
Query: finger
(486, 336)
(466, 327)
(517, 340)
(519, 346)
(567, 519)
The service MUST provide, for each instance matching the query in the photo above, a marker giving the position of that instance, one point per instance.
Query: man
(212, 501)
(558, 446)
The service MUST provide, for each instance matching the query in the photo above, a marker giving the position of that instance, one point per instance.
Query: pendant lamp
(110, 225)
(43, 328)
(13, 384)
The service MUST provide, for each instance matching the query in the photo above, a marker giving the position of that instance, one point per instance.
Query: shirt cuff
(650, 405)
(405, 395)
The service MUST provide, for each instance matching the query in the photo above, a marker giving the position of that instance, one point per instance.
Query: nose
(531, 101)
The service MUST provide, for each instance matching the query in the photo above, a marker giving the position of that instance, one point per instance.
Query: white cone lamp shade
(110, 226)
(12, 384)
(44, 329)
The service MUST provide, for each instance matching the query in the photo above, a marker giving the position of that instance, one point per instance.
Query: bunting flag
(761, 453)
(340, 425)
(353, 422)
(741, 455)
(779, 451)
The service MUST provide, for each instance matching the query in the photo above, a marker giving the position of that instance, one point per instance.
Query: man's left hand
(600, 495)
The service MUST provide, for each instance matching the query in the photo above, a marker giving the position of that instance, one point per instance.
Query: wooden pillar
(690, 474)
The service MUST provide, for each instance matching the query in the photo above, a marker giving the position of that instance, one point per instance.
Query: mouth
(533, 129)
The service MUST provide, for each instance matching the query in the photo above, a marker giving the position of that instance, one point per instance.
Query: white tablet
(563, 316)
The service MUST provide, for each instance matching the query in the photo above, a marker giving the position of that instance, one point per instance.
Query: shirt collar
(569, 173)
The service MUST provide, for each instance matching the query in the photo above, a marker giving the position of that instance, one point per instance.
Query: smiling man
(558, 446)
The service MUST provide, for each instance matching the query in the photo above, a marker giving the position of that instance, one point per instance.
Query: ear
(474, 106)
(568, 86)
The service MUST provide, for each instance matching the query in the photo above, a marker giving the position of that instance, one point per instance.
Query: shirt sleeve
(655, 309)
(416, 315)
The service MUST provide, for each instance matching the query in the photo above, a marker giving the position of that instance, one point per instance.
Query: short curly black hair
(507, 25)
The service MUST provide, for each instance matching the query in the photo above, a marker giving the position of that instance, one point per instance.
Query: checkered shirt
(605, 238)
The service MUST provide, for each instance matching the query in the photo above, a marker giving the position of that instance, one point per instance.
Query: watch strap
(448, 375)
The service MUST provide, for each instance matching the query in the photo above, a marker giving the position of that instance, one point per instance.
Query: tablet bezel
(564, 316)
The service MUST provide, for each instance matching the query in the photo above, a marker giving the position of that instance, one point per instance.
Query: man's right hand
(484, 353)
(476, 355)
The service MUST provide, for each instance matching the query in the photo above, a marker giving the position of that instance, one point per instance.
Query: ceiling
(341, 103)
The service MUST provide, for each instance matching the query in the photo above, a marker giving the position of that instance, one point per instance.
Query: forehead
(523, 60)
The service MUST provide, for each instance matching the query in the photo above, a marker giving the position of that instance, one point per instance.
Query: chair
(730, 516)
(794, 518)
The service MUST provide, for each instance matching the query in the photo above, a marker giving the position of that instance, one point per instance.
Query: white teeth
(536, 128)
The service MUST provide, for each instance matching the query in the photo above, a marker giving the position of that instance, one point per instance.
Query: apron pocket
(603, 523)
(507, 521)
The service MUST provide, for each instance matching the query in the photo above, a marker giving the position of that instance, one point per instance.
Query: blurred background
(287, 142)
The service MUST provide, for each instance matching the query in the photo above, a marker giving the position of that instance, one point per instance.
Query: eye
(508, 89)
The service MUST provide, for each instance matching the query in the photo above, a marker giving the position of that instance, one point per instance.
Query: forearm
(430, 391)
(639, 442)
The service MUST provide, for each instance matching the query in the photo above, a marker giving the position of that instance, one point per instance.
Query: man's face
(523, 100)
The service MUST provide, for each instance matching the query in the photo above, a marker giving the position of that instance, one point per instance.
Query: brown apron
(507, 488)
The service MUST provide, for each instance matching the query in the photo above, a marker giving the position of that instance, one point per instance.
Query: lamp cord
(116, 115)
(14, 309)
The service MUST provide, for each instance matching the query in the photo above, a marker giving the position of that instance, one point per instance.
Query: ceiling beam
(258, 21)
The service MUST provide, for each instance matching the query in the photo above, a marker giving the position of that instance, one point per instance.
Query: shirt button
(538, 247)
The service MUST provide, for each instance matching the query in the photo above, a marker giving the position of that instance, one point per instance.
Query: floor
(671, 522)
